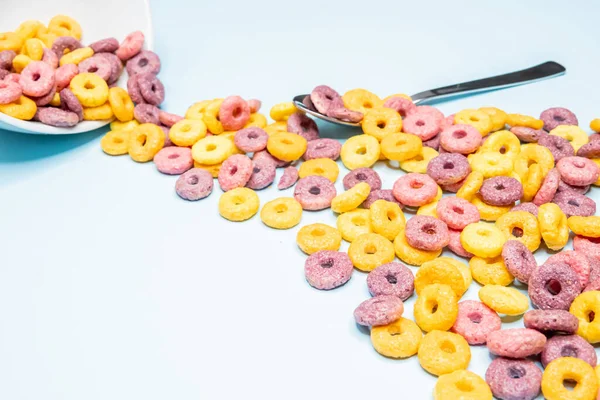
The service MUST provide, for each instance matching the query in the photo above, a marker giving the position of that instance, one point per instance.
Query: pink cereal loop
(548, 189)
(288, 179)
(234, 113)
(457, 213)
(254, 105)
(131, 46)
(475, 321)
(423, 125)
(168, 119)
(37, 79)
(9, 92)
(401, 105)
(463, 139)
(578, 171)
(64, 74)
(455, 246)
(235, 172)
(174, 160)
(415, 189)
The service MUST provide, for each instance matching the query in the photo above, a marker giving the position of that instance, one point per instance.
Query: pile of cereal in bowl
(513, 184)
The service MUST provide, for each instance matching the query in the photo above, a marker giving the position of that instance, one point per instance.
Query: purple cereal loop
(558, 146)
(263, 174)
(300, 124)
(463, 139)
(9, 92)
(553, 286)
(289, 178)
(529, 207)
(145, 62)
(56, 117)
(528, 135)
(401, 105)
(116, 67)
(453, 187)
(415, 189)
(501, 191)
(328, 269)
(426, 233)
(308, 103)
(556, 116)
(594, 266)
(423, 125)
(457, 213)
(322, 98)
(45, 99)
(516, 343)
(391, 279)
(235, 172)
(568, 346)
(590, 150)
(345, 114)
(475, 321)
(63, 75)
(565, 187)
(433, 143)
(50, 58)
(251, 140)
(168, 119)
(573, 203)
(151, 89)
(455, 246)
(70, 102)
(578, 171)
(314, 192)
(551, 321)
(511, 379)
(548, 189)
(359, 175)
(576, 260)
(4, 73)
(174, 160)
(166, 130)
(194, 184)
(519, 260)
(146, 114)
(131, 46)
(381, 194)
(96, 65)
(323, 148)
(37, 79)
(448, 168)
(380, 310)
(6, 59)
(266, 155)
(65, 43)
(133, 89)
(109, 45)
(588, 246)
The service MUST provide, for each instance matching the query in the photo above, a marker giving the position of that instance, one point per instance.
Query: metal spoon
(549, 69)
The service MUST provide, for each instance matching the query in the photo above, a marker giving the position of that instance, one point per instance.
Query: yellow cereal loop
(380, 122)
(29, 29)
(10, 41)
(524, 120)
(187, 132)
(286, 146)
(90, 89)
(20, 62)
(115, 143)
(521, 226)
(553, 226)
(210, 116)
(196, 110)
(490, 271)
(532, 181)
(440, 271)
(121, 104)
(533, 154)
(491, 164)
(497, 116)
(281, 213)
(429, 209)
(400, 339)
(361, 100)
(585, 307)
(482, 239)
(47, 38)
(488, 212)
(574, 134)
(419, 163)
(257, 120)
(585, 226)
(503, 142)
(24, 108)
(282, 111)
(462, 268)
(411, 255)
(325, 167)
(276, 127)
(63, 25)
(55, 100)
(212, 150)
(76, 56)
(124, 126)
(595, 125)
(314, 237)
(369, 251)
(354, 223)
(471, 186)
(569, 369)
(99, 113)
(213, 169)
(504, 300)
(436, 308)
(597, 161)
(387, 219)
(401, 146)
(478, 119)
(463, 385)
(360, 151)
(441, 353)
(34, 49)
(239, 204)
(351, 198)
(145, 141)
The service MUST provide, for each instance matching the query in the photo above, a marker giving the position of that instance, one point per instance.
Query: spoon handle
(546, 70)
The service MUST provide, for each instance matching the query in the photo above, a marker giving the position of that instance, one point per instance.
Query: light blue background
(112, 287)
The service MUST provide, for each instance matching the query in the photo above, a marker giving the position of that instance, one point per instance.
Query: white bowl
(99, 20)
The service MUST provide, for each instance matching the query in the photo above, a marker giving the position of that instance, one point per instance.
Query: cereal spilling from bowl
(48, 75)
